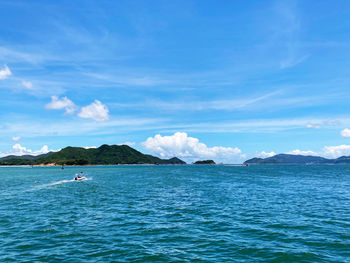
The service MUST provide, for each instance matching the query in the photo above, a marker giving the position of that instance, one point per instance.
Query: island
(103, 155)
(205, 162)
(297, 159)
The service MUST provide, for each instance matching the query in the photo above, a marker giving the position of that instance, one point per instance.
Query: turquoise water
(176, 214)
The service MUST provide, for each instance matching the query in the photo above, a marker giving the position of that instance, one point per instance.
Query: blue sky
(225, 80)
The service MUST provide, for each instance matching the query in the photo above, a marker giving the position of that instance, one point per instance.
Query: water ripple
(176, 214)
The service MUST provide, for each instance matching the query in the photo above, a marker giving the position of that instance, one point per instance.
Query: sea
(185, 213)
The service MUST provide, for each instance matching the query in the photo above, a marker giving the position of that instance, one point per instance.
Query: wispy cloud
(69, 127)
(16, 138)
(250, 126)
(292, 61)
(15, 56)
(131, 80)
(287, 31)
(38, 88)
(272, 101)
(324, 123)
(27, 84)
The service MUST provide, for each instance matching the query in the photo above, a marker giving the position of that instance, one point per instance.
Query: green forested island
(103, 155)
(205, 162)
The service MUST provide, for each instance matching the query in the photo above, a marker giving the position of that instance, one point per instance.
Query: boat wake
(38, 187)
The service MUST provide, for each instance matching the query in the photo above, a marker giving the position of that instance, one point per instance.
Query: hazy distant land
(298, 159)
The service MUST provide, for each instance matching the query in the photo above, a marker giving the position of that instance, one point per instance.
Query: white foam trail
(61, 182)
(14, 193)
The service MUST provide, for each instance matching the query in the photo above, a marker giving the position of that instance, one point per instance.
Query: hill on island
(103, 155)
(298, 159)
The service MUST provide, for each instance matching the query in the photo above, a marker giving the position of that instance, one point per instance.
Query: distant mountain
(105, 154)
(298, 159)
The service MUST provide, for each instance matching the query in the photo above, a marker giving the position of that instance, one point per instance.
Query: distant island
(103, 155)
(297, 159)
(205, 162)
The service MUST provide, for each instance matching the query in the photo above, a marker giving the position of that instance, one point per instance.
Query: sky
(221, 80)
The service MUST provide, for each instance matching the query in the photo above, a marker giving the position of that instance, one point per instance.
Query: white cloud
(264, 154)
(5, 72)
(96, 111)
(300, 152)
(16, 138)
(19, 150)
(64, 103)
(345, 133)
(27, 84)
(190, 149)
(43, 150)
(336, 151)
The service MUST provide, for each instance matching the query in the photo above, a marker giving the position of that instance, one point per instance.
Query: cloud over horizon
(191, 149)
(264, 154)
(19, 150)
(331, 152)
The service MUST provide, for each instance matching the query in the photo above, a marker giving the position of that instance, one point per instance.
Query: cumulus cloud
(189, 148)
(345, 133)
(19, 150)
(300, 152)
(5, 72)
(264, 154)
(96, 111)
(27, 84)
(61, 103)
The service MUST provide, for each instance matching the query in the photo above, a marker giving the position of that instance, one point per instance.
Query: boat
(80, 178)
